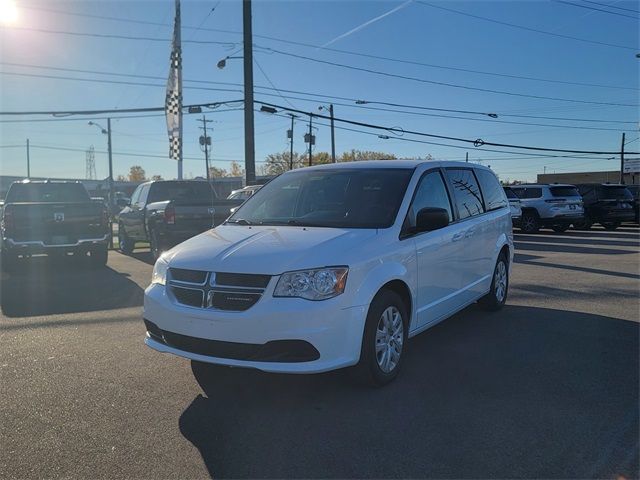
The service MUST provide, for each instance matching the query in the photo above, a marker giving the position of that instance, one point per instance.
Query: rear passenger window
(494, 196)
(467, 194)
(431, 193)
(530, 192)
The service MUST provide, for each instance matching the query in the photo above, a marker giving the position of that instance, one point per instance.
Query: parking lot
(546, 388)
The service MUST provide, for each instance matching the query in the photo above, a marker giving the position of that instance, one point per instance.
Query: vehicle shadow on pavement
(575, 248)
(41, 286)
(527, 392)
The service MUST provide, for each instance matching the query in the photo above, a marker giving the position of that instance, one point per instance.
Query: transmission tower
(90, 164)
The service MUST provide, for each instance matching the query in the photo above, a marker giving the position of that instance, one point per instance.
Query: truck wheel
(155, 245)
(98, 257)
(497, 296)
(125, 244)
(611, 226)
(529, 223)
(384, 340)
(560, 228)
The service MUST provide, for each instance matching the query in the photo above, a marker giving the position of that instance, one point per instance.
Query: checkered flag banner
(173, 99)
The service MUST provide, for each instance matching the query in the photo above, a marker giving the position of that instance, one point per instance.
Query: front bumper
(334, 331)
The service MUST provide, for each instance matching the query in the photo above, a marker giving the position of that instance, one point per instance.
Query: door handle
(470, 233)
(458, 236)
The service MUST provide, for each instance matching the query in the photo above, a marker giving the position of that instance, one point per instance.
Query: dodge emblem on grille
(58, 217)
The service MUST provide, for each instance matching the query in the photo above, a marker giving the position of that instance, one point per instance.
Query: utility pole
(333, 135)
(467, 157)
(291, 142)
(28, 161)
(310, 137)
(249, 140)
(622, 160)
(205, 141)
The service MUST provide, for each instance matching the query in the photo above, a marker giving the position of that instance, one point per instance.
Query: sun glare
(8, 12)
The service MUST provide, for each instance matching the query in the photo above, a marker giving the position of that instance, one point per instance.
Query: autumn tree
(358, 155)
(236, 170)
(137, 174)
(215, 172)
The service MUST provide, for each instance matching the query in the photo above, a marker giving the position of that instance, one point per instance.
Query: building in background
(588, 177)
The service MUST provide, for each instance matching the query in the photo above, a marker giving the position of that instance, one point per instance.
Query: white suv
(335, 266)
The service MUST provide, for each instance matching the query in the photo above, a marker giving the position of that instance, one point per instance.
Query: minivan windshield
(340, 198)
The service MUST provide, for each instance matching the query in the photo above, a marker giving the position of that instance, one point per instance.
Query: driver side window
(430, 193)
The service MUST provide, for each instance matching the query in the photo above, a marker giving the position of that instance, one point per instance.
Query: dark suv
(606, 204)
(635, 191)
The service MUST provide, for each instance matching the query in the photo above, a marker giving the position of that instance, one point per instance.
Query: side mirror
(429, 219)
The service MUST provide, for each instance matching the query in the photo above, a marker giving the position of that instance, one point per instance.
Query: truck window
(188, 192)
(47, 193)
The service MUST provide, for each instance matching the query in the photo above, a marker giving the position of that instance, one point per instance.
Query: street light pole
(291, 143)
(333, 135)
(622, 160)
(310, 137)
(249, 140)
(111, 193)
(28, 161)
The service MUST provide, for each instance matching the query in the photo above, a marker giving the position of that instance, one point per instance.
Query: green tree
(137, 174)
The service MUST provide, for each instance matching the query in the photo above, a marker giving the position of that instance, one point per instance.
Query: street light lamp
(333, 137)
(223, 63)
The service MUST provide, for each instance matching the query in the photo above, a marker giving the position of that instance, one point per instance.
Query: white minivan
(335, 266)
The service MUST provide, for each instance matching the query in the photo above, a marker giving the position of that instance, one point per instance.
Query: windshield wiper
(240, 221)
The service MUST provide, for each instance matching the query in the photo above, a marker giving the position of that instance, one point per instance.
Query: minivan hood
(268, 250)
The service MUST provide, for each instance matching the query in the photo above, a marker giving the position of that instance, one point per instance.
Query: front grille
(290, 351)
(234, 292)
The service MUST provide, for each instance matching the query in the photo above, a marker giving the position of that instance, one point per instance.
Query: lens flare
(8, 12)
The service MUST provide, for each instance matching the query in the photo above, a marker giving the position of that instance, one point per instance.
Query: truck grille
(216, 290)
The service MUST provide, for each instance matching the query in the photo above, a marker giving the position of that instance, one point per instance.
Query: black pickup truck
(55, 218)
(165, 213)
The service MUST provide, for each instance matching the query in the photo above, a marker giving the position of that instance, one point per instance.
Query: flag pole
(178, 27)
(173, 99)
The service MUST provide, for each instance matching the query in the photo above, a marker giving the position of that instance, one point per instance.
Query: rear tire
(560, 228)
(497, 296)
(529, 223)
(582, 224)
(125, 244)
(384, 340)
(611, 226)
(155, 245)
(98, 257)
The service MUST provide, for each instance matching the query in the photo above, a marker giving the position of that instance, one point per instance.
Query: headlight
(159, 275)
(317, 284)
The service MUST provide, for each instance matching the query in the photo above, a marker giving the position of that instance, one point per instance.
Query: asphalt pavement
(546, 388)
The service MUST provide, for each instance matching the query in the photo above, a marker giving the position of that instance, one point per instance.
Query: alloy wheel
(500, 281)
(389, 339)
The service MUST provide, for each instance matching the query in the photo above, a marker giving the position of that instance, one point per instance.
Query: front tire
(155, 245)
(582, 224)
(98, 257)
(611, 226)
(529, 223)
(384, 340)
(125, 244)
(497, 296)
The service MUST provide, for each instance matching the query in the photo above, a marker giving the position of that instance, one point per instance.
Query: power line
(522, 27)
(611, 6)
(122, 117)
(595, 9)
(346, 52)
(446, 84)
(476, 143)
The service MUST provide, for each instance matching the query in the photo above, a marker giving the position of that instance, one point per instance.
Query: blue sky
(415, 32)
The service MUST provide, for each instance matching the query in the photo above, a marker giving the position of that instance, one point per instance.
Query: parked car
(335, 266)
(244, 193)
(606, 204)
(165, 213)
(515, 205)
(635, 191)
(55, 218)
(553, 206)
